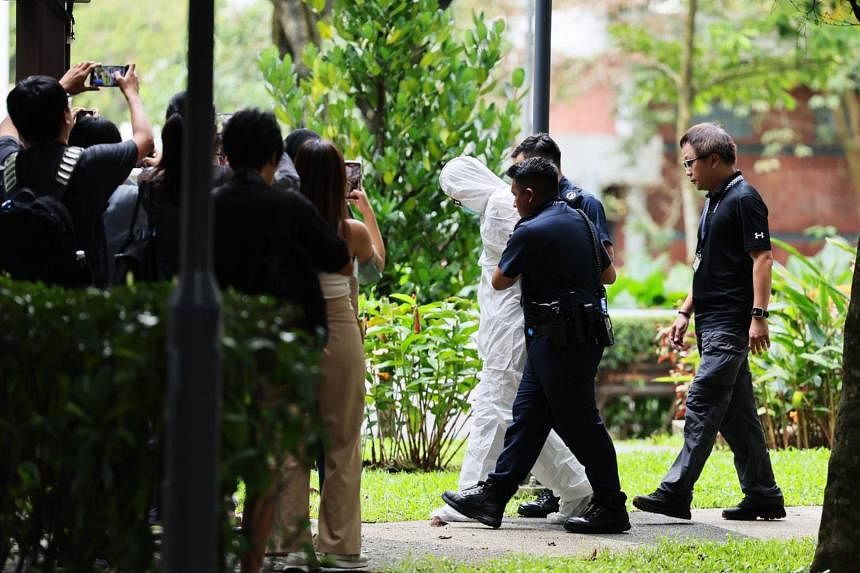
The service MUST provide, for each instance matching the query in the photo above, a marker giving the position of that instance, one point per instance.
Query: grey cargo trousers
(720, 398)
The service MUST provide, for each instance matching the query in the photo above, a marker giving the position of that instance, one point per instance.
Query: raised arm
(141, 130)
(359, 198)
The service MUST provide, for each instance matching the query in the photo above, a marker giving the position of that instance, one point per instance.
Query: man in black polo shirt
(38, 128)
(270, 240)
(552, 249)
(731, 289)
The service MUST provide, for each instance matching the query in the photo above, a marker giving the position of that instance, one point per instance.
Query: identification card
(697, 261)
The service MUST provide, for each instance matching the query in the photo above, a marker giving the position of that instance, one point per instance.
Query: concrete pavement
(390, 543)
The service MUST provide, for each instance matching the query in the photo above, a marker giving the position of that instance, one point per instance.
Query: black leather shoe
(544, 504)
(663, 503)
(483, 501)
(750, 510)
(599, 518)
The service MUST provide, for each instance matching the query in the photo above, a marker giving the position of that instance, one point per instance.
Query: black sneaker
(599, 518)
(663, 503)
(750, 510)
(544, 504)
(483, 501)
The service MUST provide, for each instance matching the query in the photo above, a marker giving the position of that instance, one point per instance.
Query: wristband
(684, 313)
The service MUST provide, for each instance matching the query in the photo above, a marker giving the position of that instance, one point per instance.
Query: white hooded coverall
(501, 341)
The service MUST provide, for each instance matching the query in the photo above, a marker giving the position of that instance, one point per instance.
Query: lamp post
(194, 372)
(540, 90)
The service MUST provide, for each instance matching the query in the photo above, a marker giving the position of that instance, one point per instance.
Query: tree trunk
(294, 25)
(838, 542)
(846, 118)
(686, 93)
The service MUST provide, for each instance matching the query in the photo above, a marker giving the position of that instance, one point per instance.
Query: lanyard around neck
(704, 227)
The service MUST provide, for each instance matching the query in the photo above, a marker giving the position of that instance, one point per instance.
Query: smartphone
(353, 175)
(102, 76)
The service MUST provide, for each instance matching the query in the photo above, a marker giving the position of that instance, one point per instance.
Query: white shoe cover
(449, 514)
(567, 509)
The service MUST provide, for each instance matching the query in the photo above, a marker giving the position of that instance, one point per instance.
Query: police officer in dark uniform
(542, 145)
(731, 289)
(555, 251)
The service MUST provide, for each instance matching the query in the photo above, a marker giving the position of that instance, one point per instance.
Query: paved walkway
(389, 543)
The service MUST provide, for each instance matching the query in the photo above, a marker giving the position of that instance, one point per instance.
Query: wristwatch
(759, 313)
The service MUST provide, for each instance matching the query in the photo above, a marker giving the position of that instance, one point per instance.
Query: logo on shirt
(758, 235)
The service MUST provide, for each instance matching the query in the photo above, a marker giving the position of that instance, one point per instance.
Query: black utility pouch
(556, 330)
(599, 326)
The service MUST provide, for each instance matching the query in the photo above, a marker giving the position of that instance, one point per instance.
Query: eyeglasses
(688, 163)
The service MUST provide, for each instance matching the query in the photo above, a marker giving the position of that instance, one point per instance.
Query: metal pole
(529, 64)
(543, 27)
(194, 378)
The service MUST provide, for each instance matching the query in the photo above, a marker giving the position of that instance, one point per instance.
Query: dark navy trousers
(720, 398)
(557, 392)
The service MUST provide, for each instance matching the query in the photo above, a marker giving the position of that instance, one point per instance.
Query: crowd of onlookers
(282, 225)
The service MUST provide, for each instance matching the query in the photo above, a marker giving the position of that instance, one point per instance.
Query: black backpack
(37, 235)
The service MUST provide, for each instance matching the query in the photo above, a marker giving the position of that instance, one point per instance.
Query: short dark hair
(296, 138)
(252, 138)
(89, 131)
(176, 105)
(539, 145)
(709, 138)
(37, 106)
(538, 173)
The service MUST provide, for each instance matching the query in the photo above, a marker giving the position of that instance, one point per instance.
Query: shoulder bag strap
(598, 287)
(10, 176)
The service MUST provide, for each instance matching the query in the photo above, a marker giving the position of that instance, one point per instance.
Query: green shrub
(422, 367)
(82, 402)
(799, 381)
(397, 85)
(634, 362)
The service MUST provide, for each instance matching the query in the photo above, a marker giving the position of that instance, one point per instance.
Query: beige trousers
(341, 403)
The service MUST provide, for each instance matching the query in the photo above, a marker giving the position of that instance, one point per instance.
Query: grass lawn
(408, 496)
(667, 557)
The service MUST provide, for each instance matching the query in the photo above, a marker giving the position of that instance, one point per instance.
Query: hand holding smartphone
(353, 175)
(103, 76)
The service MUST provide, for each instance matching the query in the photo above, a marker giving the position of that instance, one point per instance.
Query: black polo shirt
(733, 224)
(553, 252)
(574, 196)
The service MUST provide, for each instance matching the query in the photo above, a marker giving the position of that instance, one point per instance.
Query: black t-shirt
(733, 224)
(255, 224)
(579, 199)
(553, 252)
(100, 170)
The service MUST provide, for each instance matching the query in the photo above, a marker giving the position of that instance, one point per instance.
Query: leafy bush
(82, 402)
(650, 283)
(397, 85)
(799, 380)
(423, 365)
(641, 408)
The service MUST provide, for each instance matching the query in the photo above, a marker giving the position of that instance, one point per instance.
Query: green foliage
(395, 85)
(799, 380)
(669, 556)
(745, 58)
(82, 402)
(423, 365)
(651, 283)
(154, 34)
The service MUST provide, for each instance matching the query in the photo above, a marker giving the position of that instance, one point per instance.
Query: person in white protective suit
(501, 346)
